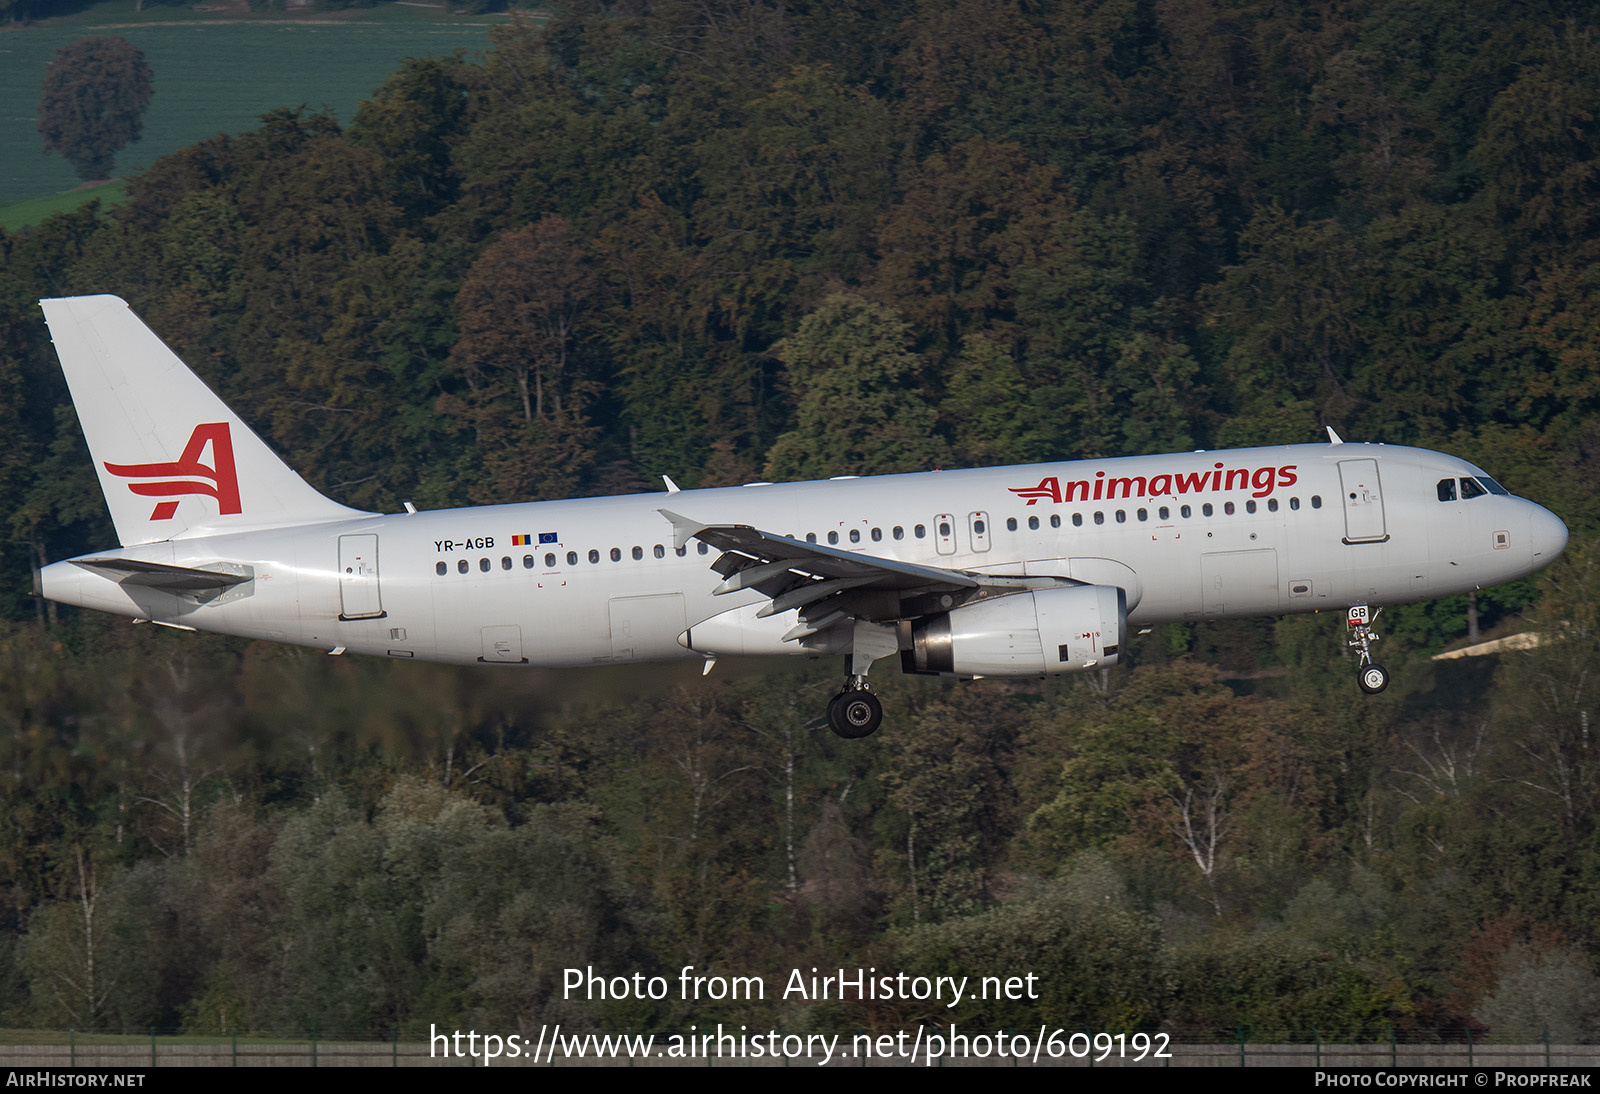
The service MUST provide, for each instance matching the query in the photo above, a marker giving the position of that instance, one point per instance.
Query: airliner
(1000, 571)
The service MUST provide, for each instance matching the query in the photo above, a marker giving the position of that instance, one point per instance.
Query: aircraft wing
(829, 585)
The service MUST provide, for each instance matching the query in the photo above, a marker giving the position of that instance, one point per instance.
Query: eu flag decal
(549, 537)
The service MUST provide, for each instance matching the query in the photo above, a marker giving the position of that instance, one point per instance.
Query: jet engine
(1050, 630)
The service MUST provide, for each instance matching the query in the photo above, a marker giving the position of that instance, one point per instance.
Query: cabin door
(1363, 502)
(358, 578)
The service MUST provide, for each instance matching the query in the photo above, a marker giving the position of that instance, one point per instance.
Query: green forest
(750, 239)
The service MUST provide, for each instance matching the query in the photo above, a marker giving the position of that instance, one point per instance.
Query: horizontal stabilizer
(172, 579)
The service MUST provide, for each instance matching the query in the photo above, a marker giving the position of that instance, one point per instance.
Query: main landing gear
(855, 712)
(1371, 677)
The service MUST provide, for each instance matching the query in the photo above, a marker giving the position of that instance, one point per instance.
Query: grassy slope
(214, 73)
(24, 213)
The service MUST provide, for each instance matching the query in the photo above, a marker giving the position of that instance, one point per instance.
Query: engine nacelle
(1051, 630)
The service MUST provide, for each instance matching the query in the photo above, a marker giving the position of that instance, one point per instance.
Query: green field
(32, 211)
(216, 73)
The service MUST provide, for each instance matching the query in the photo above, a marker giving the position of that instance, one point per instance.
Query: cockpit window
(1447, 489)
(1471, 489)
(1492, 486)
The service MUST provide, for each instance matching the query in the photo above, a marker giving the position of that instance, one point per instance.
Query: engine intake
(1050, 630)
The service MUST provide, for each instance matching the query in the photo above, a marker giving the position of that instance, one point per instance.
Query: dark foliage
(94, 98)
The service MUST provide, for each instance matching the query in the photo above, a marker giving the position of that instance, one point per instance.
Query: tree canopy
(93, 103)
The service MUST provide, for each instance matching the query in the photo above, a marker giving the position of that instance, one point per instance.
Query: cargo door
(645, 627)
(502, 646)
(1238, 583)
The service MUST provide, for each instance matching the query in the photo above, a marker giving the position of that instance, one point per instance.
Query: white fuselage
(1292, 529)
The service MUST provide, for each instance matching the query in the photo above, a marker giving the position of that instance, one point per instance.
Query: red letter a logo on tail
(224, 484)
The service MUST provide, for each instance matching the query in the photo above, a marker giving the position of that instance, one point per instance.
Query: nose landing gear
(1371, 677)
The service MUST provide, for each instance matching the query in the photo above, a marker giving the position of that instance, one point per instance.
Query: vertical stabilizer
(173, 460)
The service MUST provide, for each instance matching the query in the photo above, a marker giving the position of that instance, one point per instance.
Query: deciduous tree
(860, 411)
(95, 94)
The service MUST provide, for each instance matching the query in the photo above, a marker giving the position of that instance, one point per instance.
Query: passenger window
(1033, 524)
(1447, 489)
(1227, 508)
(461, 567)
(1316, 501)
(944, 528)
(833, 538)
(572, 558)
(1099, 518)
(811, 537)
(1249, 507)
(1011, 523)
(1272, 505)
(1469, 489)
(660, 551)
(441, 569)
(702, 548)
(616, 554)
(919, 531)
(594, 557)
(483, 565)
(877, 535)
(680, 551)
(977, 527)
(1185, 512)
(1122, 516)
(1077, 520)
(1144, 514)
(855, 535)
(505, 562)
(1164, 513)
(638, 553)
(899, 532)
(1055, 520)
(1294, 503)
(1206, 510)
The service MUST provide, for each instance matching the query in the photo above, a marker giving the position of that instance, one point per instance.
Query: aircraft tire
(1372, 678)
(854, 714)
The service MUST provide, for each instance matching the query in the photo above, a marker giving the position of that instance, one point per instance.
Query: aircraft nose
(1547, 534)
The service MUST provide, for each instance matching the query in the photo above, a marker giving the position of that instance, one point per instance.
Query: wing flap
(809, 592)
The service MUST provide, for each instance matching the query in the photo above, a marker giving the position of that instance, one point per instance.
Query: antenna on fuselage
(1333, 438)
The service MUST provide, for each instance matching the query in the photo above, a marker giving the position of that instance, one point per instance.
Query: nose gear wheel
(1371, 677)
